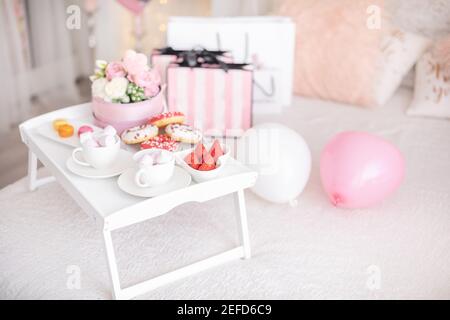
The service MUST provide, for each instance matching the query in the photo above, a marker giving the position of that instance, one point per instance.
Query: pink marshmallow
(86, 136)
(109, 131)
(91, 143)
(106, 140)
(146, 161)
(163, 158)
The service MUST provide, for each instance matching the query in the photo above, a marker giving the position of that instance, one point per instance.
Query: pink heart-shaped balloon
(135, 6)
(359, 169)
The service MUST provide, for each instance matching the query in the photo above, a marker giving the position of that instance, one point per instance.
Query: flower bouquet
(125, 93)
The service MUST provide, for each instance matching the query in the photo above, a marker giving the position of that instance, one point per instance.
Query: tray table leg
(242, 251)
(112, 265)
(242, 222)
(33, 181)
(151, 284)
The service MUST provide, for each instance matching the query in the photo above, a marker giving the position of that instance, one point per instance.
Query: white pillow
(432, 89)
(338, 57)
(400, 51)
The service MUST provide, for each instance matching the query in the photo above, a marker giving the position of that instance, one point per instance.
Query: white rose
(116, 88)
(125, 99)
(98, 88)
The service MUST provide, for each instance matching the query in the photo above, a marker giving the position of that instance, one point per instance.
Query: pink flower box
(126, 115)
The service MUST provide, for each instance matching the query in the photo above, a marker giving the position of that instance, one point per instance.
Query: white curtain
(37, 56)
(15, 63)
(108, 29)
(52, 54)
(241, 8)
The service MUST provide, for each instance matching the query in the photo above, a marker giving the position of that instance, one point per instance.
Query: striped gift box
(216, 101)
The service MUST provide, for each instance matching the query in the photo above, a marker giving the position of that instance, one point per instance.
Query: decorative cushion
(399, 52)
(339, 57)
(432, 87)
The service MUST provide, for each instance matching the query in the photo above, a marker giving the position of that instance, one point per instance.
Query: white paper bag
(266, 42)
(267, 96)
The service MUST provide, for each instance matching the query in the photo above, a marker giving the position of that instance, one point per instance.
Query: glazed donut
(139, 134)
(163, 119)
(183, 133)
(162, 141)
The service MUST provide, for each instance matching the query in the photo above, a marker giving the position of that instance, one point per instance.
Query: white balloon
(280, 156)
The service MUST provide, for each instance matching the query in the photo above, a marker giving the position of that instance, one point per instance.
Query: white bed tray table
(112, 209)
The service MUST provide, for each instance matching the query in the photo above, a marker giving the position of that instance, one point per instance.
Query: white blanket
(398, 249)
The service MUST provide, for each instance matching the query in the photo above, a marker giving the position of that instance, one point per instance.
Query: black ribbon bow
(201, 58)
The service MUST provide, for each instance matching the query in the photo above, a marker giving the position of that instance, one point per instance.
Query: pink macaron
(84, 129)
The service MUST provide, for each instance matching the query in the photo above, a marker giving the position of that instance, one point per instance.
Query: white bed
(310, 251)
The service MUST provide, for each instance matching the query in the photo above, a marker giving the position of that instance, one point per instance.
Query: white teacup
(153, 174)
(98, 157)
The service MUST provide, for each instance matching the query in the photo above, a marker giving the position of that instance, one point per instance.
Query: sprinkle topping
(166, 115)
(161, 141)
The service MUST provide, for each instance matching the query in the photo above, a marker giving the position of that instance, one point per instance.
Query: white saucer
(180, 179)
(123, 162)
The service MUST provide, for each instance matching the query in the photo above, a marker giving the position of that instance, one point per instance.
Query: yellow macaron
(59, 122)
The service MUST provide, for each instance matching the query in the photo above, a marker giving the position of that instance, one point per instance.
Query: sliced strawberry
(216, 150)
(199, 150)
(194, 166)
(208, 159)
(206, 167)
(191, 159)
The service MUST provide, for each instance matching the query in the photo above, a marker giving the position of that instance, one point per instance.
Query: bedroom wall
(430, 18)
(427, 17)
(113, 19)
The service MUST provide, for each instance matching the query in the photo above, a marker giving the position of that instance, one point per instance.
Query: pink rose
(151, 91)
(114, 70)
(146, 79)
(134, 63)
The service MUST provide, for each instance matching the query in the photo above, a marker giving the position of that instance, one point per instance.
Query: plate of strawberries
(204, 162)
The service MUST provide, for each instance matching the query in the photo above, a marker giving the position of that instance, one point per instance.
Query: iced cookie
(163, 119)
(183, 133)
(161, 141)
(139, 134)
